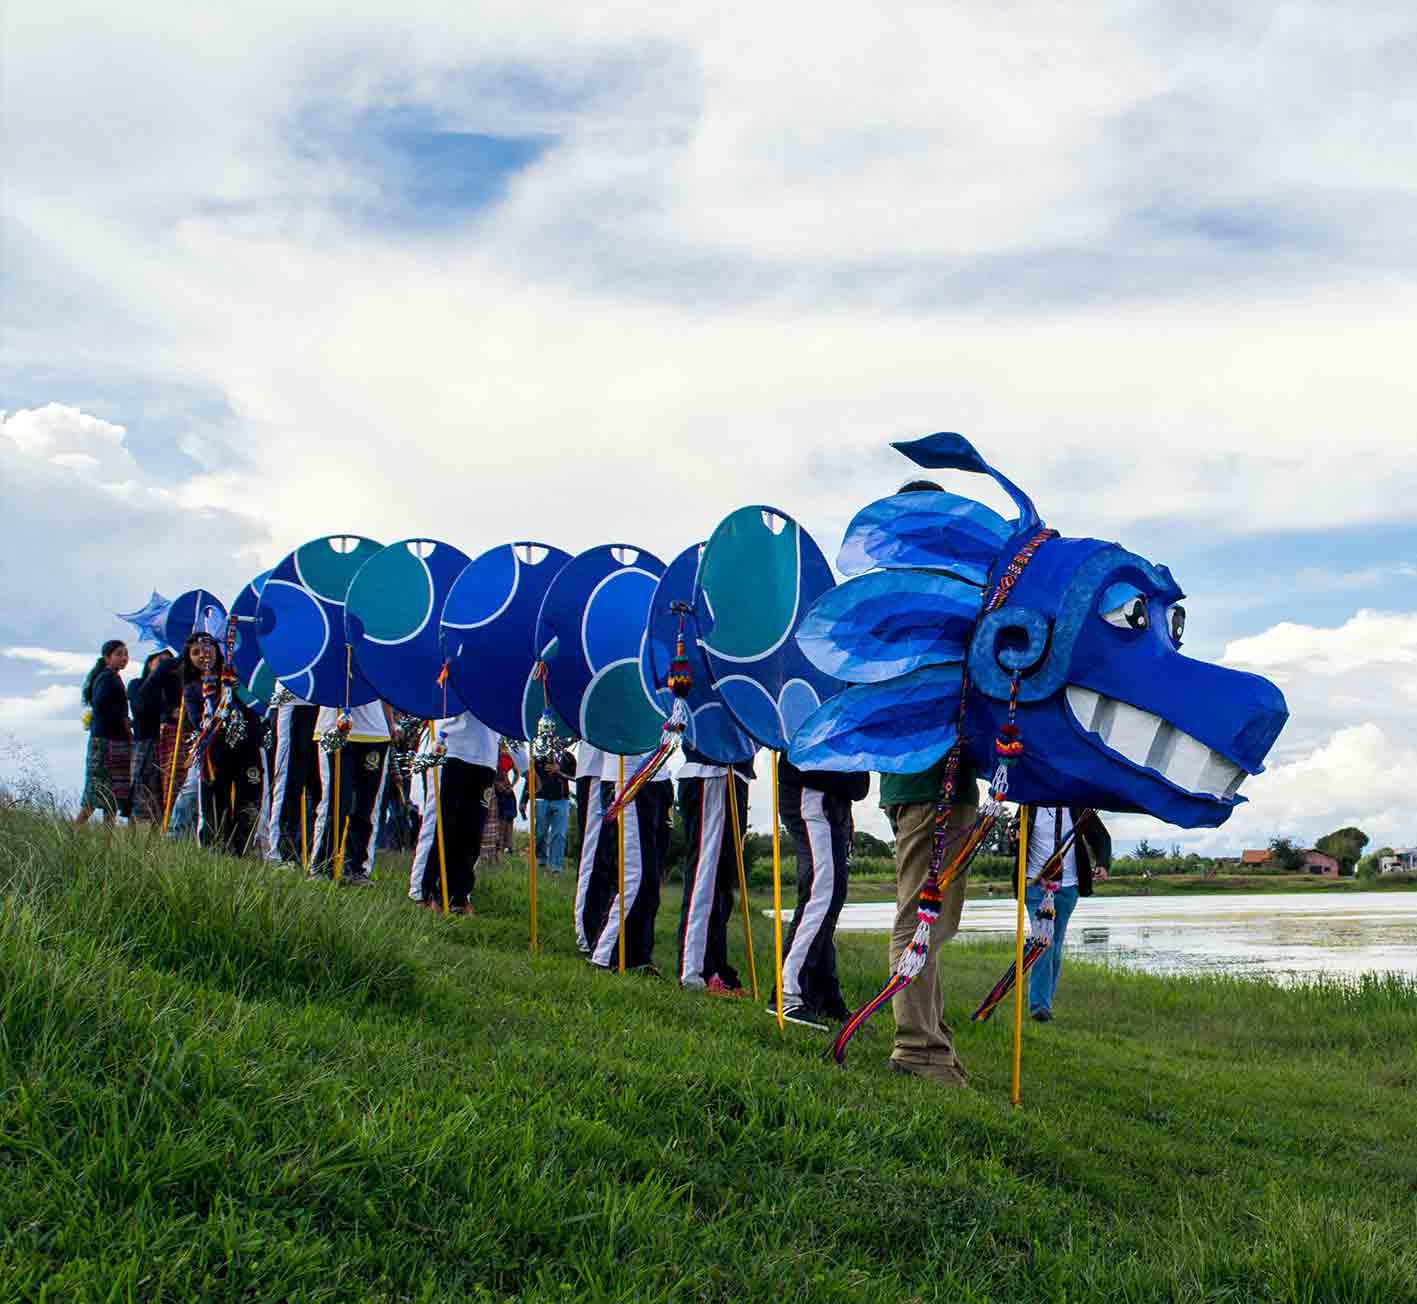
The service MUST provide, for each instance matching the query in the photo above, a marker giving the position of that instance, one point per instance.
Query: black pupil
(1178, 623)
(1136, 613)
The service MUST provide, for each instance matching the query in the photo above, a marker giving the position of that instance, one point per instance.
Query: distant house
(1319, 862)
(1256, 857)
(1402, 861)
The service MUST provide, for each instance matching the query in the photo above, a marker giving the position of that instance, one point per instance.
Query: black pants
(820, 825)
(231, 796)
(644, 842)
(710, 876)
(462, 799)
(362, 768)
(295, 771)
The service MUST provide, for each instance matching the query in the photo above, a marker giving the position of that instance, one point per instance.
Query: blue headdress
(1052, 663)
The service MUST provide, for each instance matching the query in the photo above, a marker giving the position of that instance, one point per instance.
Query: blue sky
(399, 270)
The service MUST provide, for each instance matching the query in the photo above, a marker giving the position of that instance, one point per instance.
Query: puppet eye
(1125, 607)
(1176, 623)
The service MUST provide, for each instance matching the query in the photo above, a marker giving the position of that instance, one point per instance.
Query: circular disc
(488, 632)
(591, 629)
(300, 620)
(191, 611)
(759, 573)
(391, 617)
(712, 729)
(255, 682)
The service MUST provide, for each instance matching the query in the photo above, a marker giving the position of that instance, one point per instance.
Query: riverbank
(224, 1083)
(882, 887)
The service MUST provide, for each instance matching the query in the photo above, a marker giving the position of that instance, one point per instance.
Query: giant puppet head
(958, 620)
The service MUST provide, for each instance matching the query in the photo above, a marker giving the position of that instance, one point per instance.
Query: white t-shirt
(1051, 824)
(468, 739)
(589, 761)
(367, 723)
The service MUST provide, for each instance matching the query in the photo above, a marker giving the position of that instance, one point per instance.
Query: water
(1280, 936)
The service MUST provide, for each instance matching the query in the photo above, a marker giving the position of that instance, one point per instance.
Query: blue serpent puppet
(1052, 664)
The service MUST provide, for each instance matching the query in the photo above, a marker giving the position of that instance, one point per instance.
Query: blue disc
(590, 630)
(190, 612)
(759, 573)
(391, 618)
(255, 682)
(488, 633)
(712, 730)
(300, 620)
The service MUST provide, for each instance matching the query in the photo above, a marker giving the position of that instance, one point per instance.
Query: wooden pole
(777, 896)
(334, 824)
(531, 834)
(172, 769)
(742, 881)
(620, 834)
(1024, 819)
(438, 818)
(304, 833)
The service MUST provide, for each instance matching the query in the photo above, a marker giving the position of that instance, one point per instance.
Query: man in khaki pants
(924, 1044)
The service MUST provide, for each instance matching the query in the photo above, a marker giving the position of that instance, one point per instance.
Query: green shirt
(912, 789)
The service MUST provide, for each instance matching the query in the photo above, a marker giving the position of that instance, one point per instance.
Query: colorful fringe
(669, 741)
(1033, 948)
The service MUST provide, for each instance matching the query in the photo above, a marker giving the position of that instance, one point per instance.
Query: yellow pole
(777, 896)
(172, 770)
(531, 833)
(334, 823)
(438, 819)
(1016, 1094)
(742, 881)
(620, 833)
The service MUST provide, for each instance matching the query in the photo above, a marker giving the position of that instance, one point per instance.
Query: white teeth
(1155, 744)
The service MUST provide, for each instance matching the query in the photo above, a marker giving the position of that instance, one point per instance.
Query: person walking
(147, 788)
(108, 759)
(1090, 852)
(646, 820)
(363, 772)
(816, 808)
(554, 777)
(590, 810)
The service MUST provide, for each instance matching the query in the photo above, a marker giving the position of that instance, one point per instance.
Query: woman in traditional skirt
(147, 723)
(108, 764)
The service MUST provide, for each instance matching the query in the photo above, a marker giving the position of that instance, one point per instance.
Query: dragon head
(958, 619)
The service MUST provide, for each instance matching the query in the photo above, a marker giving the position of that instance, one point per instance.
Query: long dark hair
(106, 651)
(190, 674)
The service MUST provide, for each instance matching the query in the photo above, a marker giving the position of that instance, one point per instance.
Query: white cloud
(1370, 640)
(52, 661)
(65, 437)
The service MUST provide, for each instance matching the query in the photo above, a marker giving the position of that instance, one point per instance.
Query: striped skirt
(108, 775)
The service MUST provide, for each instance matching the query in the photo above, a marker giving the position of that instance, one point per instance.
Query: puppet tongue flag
(148, 619)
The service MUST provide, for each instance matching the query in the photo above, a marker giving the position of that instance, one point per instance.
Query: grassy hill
(220, 1083)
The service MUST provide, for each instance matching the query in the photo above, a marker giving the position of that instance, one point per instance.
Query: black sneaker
(798, 1014)
(356, 880)
(1042, 1016)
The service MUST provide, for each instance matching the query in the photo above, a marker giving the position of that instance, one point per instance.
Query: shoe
(357, 880)
(944, 1073)
(1041, 1016)
(649, 970)
(694, 984)
(464, 909)
(798, 1014)
(836, 1013)
(717, 987)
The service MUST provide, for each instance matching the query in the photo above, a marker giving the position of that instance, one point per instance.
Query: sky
(491, 271)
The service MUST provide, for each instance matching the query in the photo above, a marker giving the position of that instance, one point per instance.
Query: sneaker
(717, 987)
(694, 983)
(464, 909)
(943, 1073)
(357, 880)
(1041, 1016)
(649, 970)
(836, 1013)
(799, 1014)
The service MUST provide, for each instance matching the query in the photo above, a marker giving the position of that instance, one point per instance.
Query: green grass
(219, 1083)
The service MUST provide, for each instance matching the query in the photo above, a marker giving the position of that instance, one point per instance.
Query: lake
(1281, 936)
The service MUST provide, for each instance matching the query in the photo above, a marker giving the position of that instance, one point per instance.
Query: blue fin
(888, 623)
(941, 531)
(945, 450)
(900, 727)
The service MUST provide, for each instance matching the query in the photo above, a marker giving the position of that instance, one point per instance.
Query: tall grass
(217, 1083)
